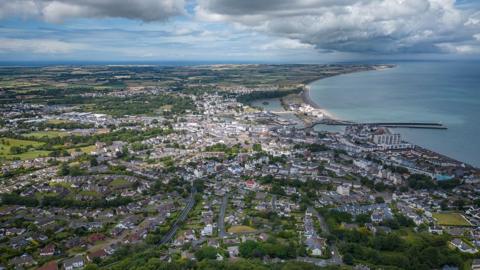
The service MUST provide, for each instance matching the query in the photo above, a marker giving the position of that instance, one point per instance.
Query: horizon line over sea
(424, 91)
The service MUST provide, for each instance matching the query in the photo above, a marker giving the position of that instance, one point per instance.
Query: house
(251, 184)
(73, 263)
(316, 245)
(435, 230)
(233, 251)
(48, 250)
(96, 237)
(101, 253)
(52, 265)
(476, 264)
(207, 230)
(213, 243)
(462, 246)
(21, 261)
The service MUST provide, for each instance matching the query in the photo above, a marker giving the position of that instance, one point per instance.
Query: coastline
(305, 94)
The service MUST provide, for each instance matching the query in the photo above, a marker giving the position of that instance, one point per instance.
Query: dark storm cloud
(382, 26)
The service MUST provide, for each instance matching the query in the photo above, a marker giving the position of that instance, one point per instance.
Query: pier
(419, 125)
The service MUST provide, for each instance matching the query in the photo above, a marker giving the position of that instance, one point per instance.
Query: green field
(85, 149)
(119, 183)
(451, 219)
(7, 143)
(48, 134)
(241, 229)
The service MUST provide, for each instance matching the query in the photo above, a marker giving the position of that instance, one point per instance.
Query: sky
(299, 31)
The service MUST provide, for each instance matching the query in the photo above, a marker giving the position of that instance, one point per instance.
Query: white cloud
(385, 26)
(60, 10)
(289, 44)
(38, 46)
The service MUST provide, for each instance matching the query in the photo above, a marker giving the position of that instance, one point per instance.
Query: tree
(206, 253)
(379, 199)
(420, 181)
(348, 259)
(251, 249)
(257, 147)
(63, 170)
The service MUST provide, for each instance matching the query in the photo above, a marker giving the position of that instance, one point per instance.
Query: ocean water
(447, 92)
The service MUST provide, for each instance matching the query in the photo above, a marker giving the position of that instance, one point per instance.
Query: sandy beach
(308, 100)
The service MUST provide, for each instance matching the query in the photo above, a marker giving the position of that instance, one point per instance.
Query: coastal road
(221, 217)
(183, 216)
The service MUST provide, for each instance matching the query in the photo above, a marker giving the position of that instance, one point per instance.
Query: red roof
(97, 254)
(96, 237)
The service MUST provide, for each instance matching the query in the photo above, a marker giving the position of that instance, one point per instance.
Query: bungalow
(233, 251)
(21, 261)
(316, 245)
(97, 254)
(73, 263)
(48, 250)
(462, 246)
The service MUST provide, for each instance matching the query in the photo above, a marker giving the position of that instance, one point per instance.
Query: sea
(446, 92)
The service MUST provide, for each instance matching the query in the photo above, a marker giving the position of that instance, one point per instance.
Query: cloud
(376, 26)
(288, 44)
(37, 46)
(59, 10)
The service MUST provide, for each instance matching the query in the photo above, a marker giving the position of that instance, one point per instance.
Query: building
(343, 190)
(73, 263)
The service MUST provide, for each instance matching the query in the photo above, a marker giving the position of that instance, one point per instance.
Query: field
(451, 219)
(7, 143)
(119, 183)
(240, 229)
(48, 134)
(86, 149)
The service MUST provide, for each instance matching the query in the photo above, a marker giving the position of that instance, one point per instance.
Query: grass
(7, 143)
(241, 229)
(86, 149)
(119, 182)
(451, 219)
(48, 134)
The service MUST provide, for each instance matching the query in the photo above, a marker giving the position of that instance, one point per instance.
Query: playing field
(451, 219)
(240, 229)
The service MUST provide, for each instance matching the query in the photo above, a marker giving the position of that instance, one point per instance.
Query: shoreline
(307, 99)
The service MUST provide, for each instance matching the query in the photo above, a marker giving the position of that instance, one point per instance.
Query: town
(153, 167)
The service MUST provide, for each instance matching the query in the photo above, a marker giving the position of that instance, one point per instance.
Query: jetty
(419, 125)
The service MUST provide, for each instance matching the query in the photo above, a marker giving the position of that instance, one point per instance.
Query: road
(274, 203)
(221, 217)
(183, 216)
(336, 257)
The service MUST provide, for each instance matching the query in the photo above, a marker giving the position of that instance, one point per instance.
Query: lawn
(241, 229)
(119, 183)
(451, 219)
